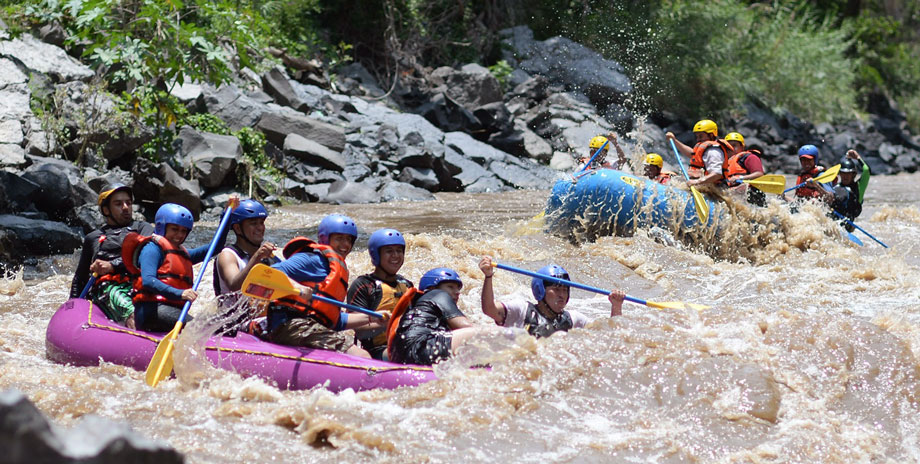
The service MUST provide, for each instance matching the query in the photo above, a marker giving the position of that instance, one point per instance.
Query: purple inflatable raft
(79, 334)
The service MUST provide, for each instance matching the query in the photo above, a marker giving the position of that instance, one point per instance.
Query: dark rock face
(61, 188)
(210, 158)
(158, 183)
(27, 437)
(38, 236)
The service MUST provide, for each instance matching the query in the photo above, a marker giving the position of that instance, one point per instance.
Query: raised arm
(489, 306)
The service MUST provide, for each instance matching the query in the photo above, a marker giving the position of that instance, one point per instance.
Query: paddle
(826, 176)
(860, 228)
(161, 364)
(595, 156)
(650, 304)
(770, 183)
(89, 285)
(702, 208)
(266, 283)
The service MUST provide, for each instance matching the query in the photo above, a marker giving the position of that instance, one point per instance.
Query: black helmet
(848, 165)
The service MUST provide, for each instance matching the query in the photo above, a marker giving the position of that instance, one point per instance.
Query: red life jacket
(397, 315)
(664, 177)
(696, 161)
(175, 271)
(334, 286)
(735, 165)
(808, 190)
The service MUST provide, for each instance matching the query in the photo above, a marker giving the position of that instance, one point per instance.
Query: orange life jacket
(696, 161)
(664, 177)
(735, 165)
(808, 190)
(175, 271)
(334, 286)
(397, 315)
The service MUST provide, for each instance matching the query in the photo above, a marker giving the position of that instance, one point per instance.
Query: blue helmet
(381, 238)
(437, 276)
(538, 286)
(171, 213)
(335, 224)
(248, 209)
(809, 150)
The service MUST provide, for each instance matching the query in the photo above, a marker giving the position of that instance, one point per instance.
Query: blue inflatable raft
(609, 202)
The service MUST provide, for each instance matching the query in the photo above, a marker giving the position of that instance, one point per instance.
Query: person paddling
(808, 159)
(165, 268)
(101, 255)
(427, 326)
(600, 161)
(317, 268)
(235, 261)
(708, 157)
(652, 168)
(380, 290)
(847, 195)
(548, 315)
(744, 165)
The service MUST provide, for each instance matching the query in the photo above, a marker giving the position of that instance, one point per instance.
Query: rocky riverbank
(348, 140)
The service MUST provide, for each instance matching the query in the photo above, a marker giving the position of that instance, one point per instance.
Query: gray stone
(210, 158)
(368, 86)
(187, 92)
(157, 183)
(402, 191)
(468, 172)
(349, 192)
(534, 146)
(472, 148)
(486, 185)
(230, 104)
(16, 193)
(422, 178)
(472, 86)
(14, 91)
(298, 190)
(313, 153)
(61, 187)
(43, 58)
(518, 177)
(12, 155)
(276, 83)
(11, 132)
(562, 161)
(277, 126)
(40, 237)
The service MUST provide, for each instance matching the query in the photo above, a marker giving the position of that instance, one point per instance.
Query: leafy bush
(502, 72)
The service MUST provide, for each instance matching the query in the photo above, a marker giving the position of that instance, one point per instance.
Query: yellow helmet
(736, 137)
(654, 159)
(706, 125)
(597, 142)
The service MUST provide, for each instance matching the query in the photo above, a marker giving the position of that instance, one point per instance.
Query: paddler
(548, 315)
(847, 195)
(600, 161)
(380, 290)
(101, 255)
(165, 268)
(808, 160)
(427, 326)
(320, 268)
(652, 168)
(744, 165)
(708, 157)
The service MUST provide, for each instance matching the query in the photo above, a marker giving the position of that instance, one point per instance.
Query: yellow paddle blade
(828, 175)
(266, 283)
(770, 183)
(675, 305)
(161, 364)
(702, 208)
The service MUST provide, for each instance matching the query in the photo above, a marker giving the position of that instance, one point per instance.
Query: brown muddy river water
(809, 353)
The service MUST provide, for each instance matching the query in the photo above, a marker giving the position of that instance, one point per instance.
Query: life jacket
(664, 177)
(539, 326)
(398, 311)
(175, 270)
(696, 161)
(388, 298)
(808, 190)
(334, 286)
(110, 243)
(849, 205)
(735, 165)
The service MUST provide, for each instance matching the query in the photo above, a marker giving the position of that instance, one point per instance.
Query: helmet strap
(544, 309)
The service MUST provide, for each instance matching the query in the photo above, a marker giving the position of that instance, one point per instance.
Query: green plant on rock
(502, 72)
(207, 122)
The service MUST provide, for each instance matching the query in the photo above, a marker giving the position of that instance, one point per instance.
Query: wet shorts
(431, 349)
(307, 332)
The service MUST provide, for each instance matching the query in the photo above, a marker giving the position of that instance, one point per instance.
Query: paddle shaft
(89, 284)
(679, 161)
(860, 228)
(348, 306)
(204, 264)
(819, 179)
(566, 282)
(599, 150)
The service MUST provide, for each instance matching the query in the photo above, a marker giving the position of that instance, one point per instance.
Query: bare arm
(460, 322)
(489, 307)
(681, 147)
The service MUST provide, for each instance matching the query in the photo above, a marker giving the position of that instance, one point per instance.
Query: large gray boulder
(567, 63)
(16, 193)
(210, 158)
(39, 57)
(14, 91)
(472, 85)
(278, 124)
(158, 183)
(39, 236)
(313, 153)
(276, 83)
(344, 191)
(27, 437)
(61, 187)
(231, 105)
(394, 190)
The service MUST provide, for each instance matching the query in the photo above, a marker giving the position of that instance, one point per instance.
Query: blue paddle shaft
(348, 306)
(860, 228)
(207, 257)
(599, 150)
(89, 285)
(565, 282)
(679, 161)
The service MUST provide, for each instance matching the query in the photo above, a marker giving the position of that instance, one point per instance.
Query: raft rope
(372, 369)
